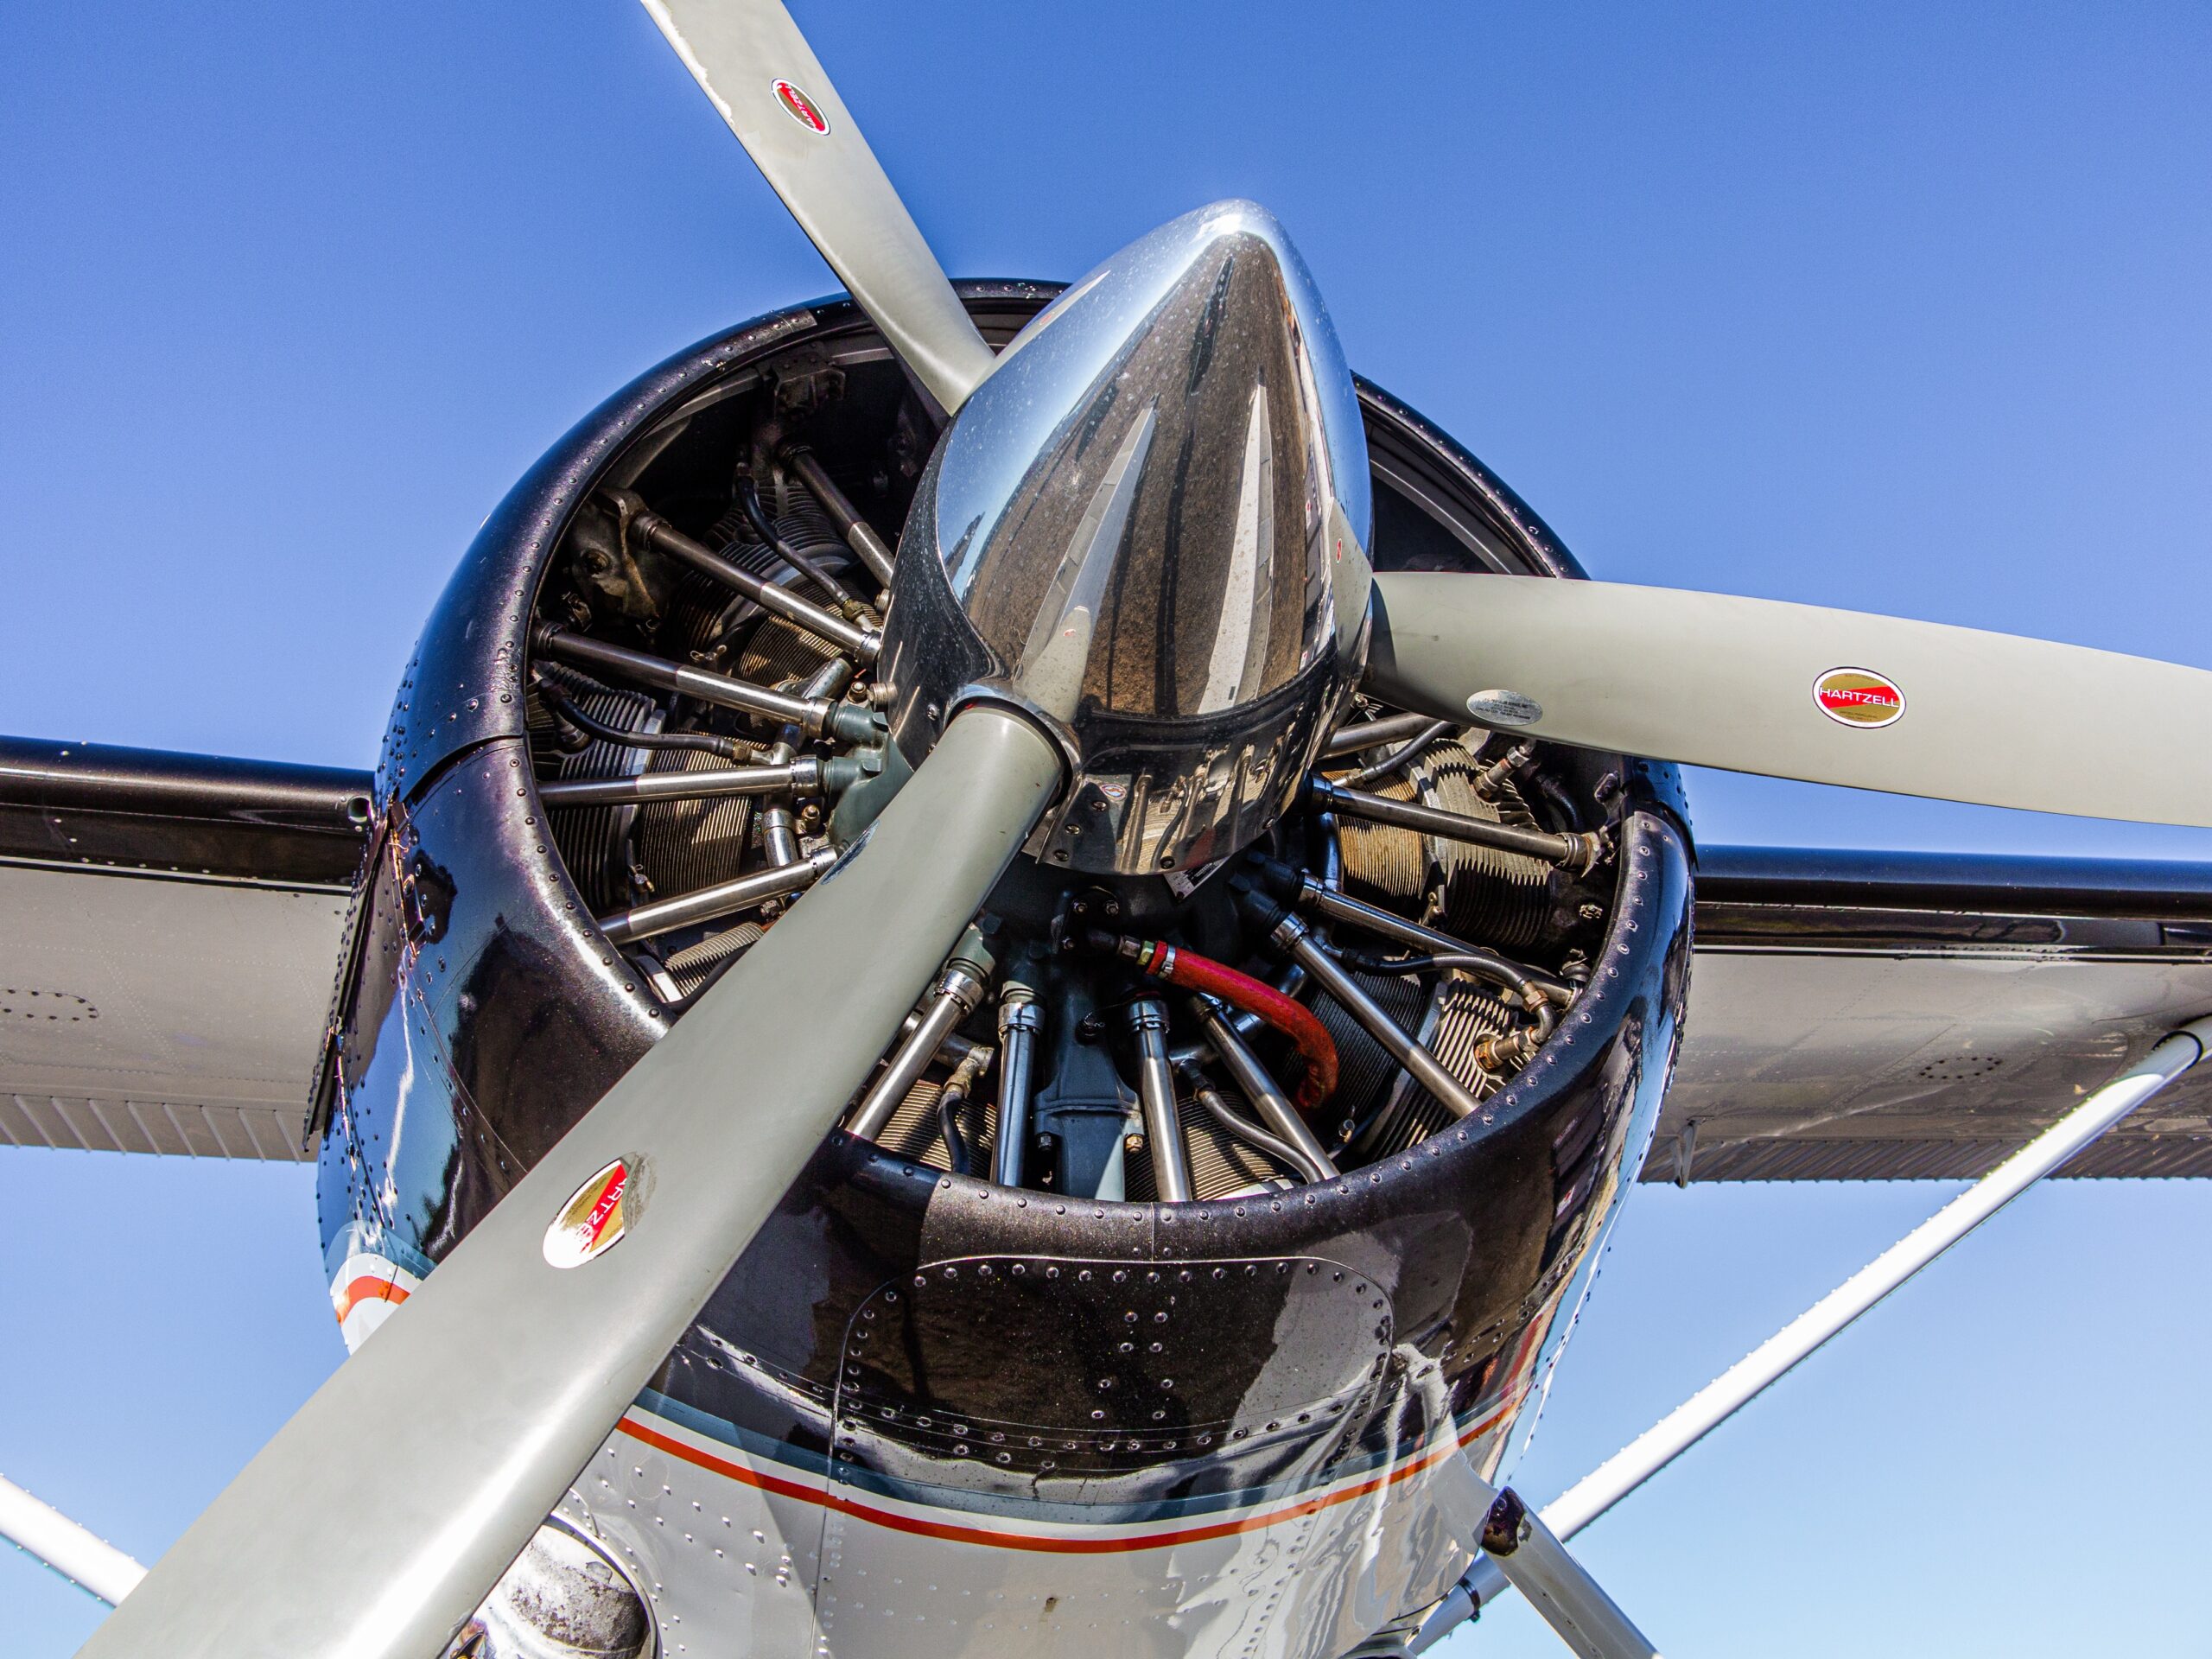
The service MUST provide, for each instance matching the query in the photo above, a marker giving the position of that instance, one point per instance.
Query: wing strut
(83, 1557)
(1750, 1376)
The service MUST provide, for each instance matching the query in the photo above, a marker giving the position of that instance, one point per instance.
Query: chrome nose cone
(1149, 526)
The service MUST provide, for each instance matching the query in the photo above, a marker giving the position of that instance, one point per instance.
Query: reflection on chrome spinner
(1172, 567)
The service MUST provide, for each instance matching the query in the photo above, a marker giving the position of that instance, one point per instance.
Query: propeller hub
(1148, 527)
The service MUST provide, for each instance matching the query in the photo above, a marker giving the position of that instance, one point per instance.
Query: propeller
(750, 60)
(1798, 691)
(375, 1520)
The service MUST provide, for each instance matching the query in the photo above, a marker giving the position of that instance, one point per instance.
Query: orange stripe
(369, 1288)
(1051, 1545)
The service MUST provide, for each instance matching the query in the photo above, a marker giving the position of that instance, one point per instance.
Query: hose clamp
(963, 987)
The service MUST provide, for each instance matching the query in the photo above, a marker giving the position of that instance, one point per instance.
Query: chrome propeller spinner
(1148, 528)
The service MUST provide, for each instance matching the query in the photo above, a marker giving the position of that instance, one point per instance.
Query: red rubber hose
(1286, 1014)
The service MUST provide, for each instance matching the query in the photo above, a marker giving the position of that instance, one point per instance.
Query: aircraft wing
(1871, 1016)
(170, 930)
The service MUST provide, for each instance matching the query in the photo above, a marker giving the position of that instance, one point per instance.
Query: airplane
(1235, 870)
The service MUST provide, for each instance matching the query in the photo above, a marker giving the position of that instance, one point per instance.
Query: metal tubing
(1163, 1120)
(1332, 851)
(723, 899)
(810, 716)
(1289, 981)
(949, 1100)
(1577, 851)
(1340, 906)
(830, 679)
(863, 643)
(1261, 1090)
(1371, 734)
(957, 994)
(748, 500)
(86, 1560)
(779, 836)
(1499, 773)
(1399, 757)
(779, 841)
(802, 777)
(1020, 1019)
(955, 1047)
(1244, 1128)
(858, 536)
(576, 720)
(1294, 936)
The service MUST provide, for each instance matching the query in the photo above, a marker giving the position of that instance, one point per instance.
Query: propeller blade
(376, 1521)
(1797, 691)
(753, 64)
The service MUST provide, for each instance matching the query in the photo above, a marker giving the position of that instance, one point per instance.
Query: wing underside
(169, 933)
(1868, 1016)
(170, 927)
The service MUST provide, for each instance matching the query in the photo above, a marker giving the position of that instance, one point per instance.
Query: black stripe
(146, 809)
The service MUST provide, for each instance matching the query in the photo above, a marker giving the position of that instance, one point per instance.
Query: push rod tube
(1163, 1120)
(958, 995)
(723, 899)
(1472, 962)
(779, 841)
(1750, 1376)
(815, 716)
(1317, 900)
(864, 542)
(801, 777)
(955, 1047)
(818, 619)
(1261, 1090)
(1575, 850)
(1293, 938)
(1020, 1019)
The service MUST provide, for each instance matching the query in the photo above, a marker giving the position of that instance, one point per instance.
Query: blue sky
(1900, 307)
